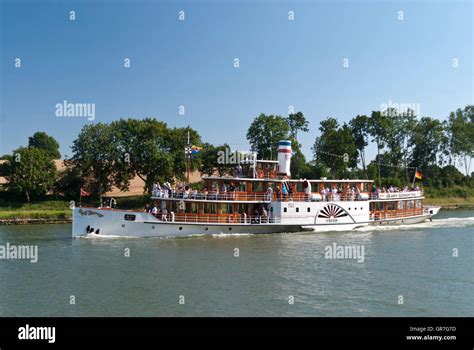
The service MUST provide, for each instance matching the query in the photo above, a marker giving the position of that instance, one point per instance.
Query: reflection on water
(245, 275)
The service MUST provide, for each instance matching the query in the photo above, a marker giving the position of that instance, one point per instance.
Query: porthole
(297, 210)
(309, 209)
(207, 228)
(180, 228)
(123, 225)
(230, 228)
(153, 227)
(361, 208)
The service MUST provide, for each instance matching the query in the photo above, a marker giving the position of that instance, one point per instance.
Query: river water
(414, 270)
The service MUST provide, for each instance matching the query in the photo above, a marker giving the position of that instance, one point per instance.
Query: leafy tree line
(111, 154)
(104, 155)
(403, 142)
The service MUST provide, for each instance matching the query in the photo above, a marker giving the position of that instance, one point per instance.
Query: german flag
(418, 174)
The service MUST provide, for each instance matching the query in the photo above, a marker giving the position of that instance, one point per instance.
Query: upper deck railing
(295, 197)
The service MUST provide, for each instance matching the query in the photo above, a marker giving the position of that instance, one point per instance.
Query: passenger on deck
(186, 192)
(278, 193)
(231, 194)
(264, 215)
(224, 191)
(335, 195)
(290, 192)
(154, 211)
(307, 189)
(285, 192)
(324, 194)
(238, 171)
(156, 189)
(164, 214)
(256, 216)
(269, 194)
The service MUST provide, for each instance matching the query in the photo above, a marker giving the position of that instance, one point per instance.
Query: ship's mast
(188, 151)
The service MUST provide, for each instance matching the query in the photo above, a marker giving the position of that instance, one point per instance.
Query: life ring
(230, 219)
(377, 216)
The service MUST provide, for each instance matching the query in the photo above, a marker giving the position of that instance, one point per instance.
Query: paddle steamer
(260, 197)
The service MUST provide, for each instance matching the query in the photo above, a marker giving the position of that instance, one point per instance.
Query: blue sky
(191, 62)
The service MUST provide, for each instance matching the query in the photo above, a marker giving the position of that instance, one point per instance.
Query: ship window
(213, 209)
(309, 209)
(378, 205)
(271, 209)
(285, 209)
(299, 187)
(257, 186)
(361, 208)
(241, 187)
(297, 210)
(349, 208)
(401, 204)
(391, 206)
(129, 217)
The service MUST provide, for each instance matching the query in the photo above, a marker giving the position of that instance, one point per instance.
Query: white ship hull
(107, 222)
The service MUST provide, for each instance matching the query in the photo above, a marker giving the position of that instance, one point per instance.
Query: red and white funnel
(284, 157)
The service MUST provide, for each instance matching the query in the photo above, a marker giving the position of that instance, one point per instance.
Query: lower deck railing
(218, 218)
(395, 214)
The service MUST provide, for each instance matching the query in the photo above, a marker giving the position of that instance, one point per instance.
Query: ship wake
(436, 223)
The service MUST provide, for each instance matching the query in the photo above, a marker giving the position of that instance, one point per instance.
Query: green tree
(47, 143)
(335, 148)
(459, 142)
(379, 126)
(209, 160)
(426, 140)
(264, 134)
(297, 122)
(95, 155)
(360, 131)
(68, 182)
(143, 150)
(31, 172)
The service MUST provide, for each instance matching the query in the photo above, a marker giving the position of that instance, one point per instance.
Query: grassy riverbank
(54, 210)
(452, 202)
(51, 210)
